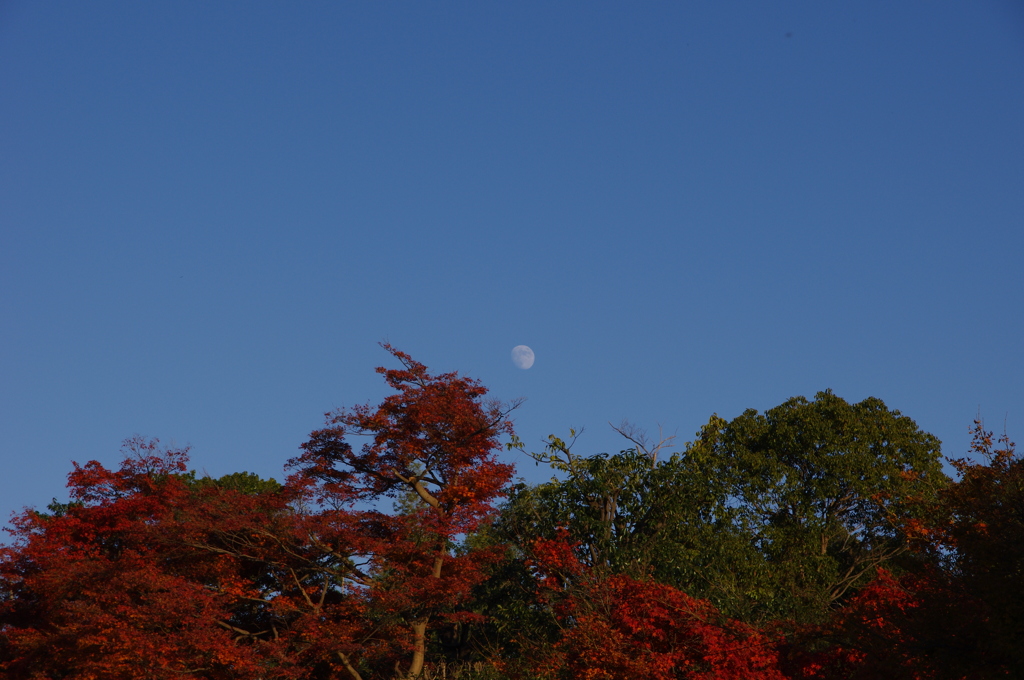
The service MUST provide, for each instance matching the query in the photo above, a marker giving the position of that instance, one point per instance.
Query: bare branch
(643, 443)
(349, 667)
(305, 595)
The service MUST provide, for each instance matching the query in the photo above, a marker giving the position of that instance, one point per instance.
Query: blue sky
(211, 213)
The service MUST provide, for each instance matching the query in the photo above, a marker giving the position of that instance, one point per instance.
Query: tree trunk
(419, 648)
(419, 630)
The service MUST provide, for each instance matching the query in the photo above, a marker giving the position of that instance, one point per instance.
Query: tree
(977, 528)
(630, 514)
(435, 437)
(818, 486)
(95, 589)
(768, 516)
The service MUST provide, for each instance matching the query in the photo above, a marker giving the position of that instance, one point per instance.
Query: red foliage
(642, 629)
(435, 436)
(980, 529)
(617, 627)
(983, 518)
(555, 562)
(917, 627)
(434, 443)
(96, 592)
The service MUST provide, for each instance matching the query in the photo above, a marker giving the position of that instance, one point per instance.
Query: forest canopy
(820, 539)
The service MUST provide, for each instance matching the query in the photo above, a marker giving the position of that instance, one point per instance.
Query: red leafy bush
(615, 626)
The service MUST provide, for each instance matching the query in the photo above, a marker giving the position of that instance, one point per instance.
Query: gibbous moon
(522, 356)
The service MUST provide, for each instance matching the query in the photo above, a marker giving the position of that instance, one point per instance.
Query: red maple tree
(433, 443)
(96, 591)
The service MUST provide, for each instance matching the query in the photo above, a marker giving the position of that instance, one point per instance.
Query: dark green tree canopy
(817, 484)
(780, 514)
(242, 482)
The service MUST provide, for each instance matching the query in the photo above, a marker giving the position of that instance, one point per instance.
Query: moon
(522, 356)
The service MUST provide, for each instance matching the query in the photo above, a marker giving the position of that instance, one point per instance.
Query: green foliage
(243, 482)
(818, 486)
(775, 515)
(58, 509)
(622, 509)
(517, 621)
(634, 516)
(476, 670)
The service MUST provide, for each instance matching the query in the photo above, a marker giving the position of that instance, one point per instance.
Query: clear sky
(211, 213)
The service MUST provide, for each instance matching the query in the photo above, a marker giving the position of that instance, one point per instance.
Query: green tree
(770, 516)
(633, 514)
(820, 488)
(242, 482)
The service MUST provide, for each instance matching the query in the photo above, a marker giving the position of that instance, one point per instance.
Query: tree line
(817, 540)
